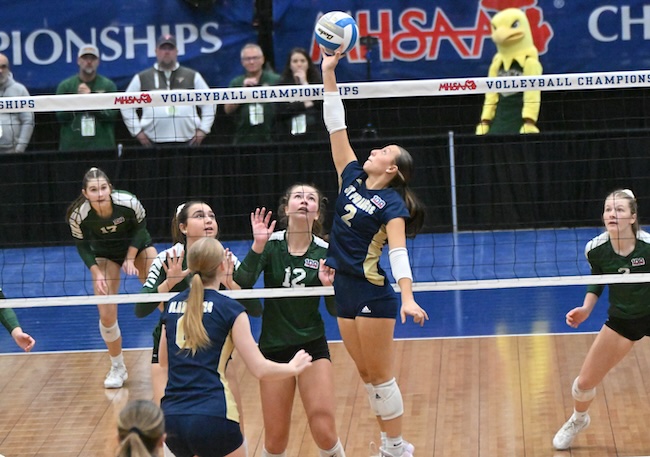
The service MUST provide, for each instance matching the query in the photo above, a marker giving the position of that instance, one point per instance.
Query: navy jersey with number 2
(359, 226)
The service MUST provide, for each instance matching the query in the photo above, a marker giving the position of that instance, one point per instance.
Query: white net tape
(362, 90)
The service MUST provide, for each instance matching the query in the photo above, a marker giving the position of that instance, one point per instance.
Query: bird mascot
(516, 56)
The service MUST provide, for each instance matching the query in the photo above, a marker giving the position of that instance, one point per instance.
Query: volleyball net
(503, 211)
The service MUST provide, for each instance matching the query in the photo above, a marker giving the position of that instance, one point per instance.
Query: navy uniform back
(196, 381)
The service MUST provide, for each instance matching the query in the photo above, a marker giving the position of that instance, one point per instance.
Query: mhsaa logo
(378, 201)
(311, 263)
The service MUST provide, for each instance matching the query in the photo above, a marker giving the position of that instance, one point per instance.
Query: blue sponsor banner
(41, 39)
(421, 39)
(415, 39)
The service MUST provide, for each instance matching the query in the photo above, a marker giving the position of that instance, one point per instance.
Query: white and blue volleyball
(334, 29)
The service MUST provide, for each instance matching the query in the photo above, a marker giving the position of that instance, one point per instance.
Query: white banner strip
(325, 291)
(363, 90)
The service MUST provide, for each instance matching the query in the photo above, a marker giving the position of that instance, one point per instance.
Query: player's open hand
(262, 227)
(173, 267)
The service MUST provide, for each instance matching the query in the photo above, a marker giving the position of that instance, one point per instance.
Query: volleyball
(336, 28)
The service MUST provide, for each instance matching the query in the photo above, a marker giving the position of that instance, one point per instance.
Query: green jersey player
(622, 249)
(110, 232)
(294, 258)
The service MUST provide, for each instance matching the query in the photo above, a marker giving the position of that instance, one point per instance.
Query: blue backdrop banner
(413, 39)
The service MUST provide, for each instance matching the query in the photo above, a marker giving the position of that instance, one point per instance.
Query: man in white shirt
(168, 124)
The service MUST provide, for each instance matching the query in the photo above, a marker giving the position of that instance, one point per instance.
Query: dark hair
(283, 219)
(627, 194)
(405, 168)
(180, 217)
(92, 174)
(140, 426)
(313, 74)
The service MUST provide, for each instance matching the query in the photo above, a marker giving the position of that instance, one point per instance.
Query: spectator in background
(85, 130)
(168, 124)
(254, 122)
(300, 120)
(15, 128)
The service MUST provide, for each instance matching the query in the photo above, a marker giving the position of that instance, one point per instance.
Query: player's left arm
(401, 269)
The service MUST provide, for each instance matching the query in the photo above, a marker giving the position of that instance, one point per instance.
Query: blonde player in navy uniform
(294, 257)
(110, 231)
(192, 221)
(622, 249)
(201, 328)
(374, 206)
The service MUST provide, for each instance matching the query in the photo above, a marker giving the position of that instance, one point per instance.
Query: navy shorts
(207, 436)
(632, 329)
(318, 349)
(357, 297)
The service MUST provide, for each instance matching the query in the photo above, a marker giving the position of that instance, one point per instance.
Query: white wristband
(399, 264)
(333, 112)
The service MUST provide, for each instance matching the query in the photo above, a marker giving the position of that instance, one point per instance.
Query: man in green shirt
(253, 121)
(87, 129)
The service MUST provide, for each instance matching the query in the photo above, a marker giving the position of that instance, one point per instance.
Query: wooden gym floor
(463, 397)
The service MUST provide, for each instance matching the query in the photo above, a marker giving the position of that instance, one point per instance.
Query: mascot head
(512, 35)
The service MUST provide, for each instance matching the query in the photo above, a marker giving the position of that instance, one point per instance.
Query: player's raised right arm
(334, 115)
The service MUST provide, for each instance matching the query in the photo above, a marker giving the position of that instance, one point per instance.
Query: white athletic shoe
(116, 377)
(407, 450)
(565, 436)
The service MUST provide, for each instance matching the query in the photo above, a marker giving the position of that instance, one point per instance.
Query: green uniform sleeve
(253, 306)
(8, 317)
(145, 308)
(246, 276)
(86, 253)
(249, 270)
(141, 236)
(155, 277)
(596, 288)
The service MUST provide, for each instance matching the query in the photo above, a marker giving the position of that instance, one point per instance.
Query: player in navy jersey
(201, 328)
(294, 257)
(110, 231)
(622, 249)
(192, 221)
(375, 206)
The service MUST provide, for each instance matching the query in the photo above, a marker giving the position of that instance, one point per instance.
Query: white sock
(394, 445)
(384, 437)
(118, 359)
(336, 451)
(580, 416)
(266, 453)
